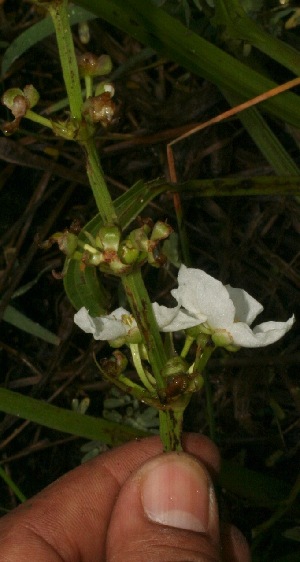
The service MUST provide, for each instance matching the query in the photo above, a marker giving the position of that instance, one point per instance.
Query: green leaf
(66, 421)
(265, 140)
(36, 33)
(19, 320)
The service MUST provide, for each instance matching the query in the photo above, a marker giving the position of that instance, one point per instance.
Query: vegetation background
(248, 241)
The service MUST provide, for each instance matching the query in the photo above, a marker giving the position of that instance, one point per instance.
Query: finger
(173, 515)
(68, 521)
(234, 545)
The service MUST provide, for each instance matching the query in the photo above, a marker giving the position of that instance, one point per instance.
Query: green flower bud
(127, 253)
(108, 238)
(161, 230)
(139, 238)
(174, 366)
(95, 259)
(9, 97)
(67, 243)
(32, 96)
(18, 101)
(91, 65)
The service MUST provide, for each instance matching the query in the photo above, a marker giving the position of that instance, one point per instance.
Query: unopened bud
(99, 109)
(161, 230)
(91, 65)
(115, 365)
(108, 238)
(127, 253)
(174, 366)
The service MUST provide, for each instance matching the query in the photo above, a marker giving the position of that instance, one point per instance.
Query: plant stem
(141, 307)
(59, 14)
(98, 184)
(136, 358)
(36, 118)
(170, 427)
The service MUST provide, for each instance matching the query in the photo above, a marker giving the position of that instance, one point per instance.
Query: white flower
(174, 319)
(222, 311)
(120, 323)
(229, 312)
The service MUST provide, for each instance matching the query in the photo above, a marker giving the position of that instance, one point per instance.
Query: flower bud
(115, 365)
(91, 65)
(108, 238)
(139, 238)
(31, 94)
(67, 242)
(99, 109)
(127, 253)
(174, 366)
(9, 97)
(161, 230)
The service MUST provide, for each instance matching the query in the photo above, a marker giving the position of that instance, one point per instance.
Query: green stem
(98, 184)
(170, 427)
(187, 345)
(36, 118)
(136, 358)
(59, 14)
(141, 307)
(88, 86)
(203, 354)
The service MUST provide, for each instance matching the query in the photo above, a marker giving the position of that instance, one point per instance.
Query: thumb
(165, 512)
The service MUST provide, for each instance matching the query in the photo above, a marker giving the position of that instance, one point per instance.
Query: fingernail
(176, 491)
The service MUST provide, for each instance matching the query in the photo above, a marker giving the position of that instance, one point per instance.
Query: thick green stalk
(170, 426)
(98, 184)
(59, 14)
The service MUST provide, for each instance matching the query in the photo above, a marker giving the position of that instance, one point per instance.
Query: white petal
(200, 294)
(262, 335)
(174, 319)
(103, 328)
(246, 307)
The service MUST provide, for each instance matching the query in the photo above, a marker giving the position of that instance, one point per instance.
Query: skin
(94, 514)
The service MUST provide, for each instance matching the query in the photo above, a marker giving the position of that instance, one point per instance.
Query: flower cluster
(223, 312)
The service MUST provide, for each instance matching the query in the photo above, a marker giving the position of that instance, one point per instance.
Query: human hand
(131, 504)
